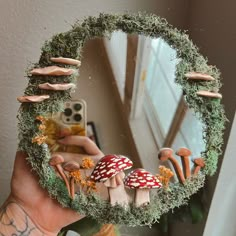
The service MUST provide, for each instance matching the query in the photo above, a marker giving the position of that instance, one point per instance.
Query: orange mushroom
(56, 161)
(199, 163)
(71, 166)
(167, 154)
(185, 154)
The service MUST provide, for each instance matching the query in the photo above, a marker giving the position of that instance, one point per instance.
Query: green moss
(70, 44)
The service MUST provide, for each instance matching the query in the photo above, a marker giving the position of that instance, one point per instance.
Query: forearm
(14, 220)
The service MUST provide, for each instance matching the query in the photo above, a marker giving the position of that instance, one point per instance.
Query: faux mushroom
(33, 98)
(65, 60)
(199, 163)
(209, 94)
(59, 87)
(199, 76)
(71, 166)
(142, 181)
(56, 161)
(167, 154)
(52, 70)
(109, 170)
(185, 154)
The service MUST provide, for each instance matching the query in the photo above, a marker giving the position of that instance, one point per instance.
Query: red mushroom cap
(109, 166)
(141, 178)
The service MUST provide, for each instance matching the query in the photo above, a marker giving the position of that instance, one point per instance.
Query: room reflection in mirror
(128, 83)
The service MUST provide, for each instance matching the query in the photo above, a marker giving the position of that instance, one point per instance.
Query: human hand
(29, 209)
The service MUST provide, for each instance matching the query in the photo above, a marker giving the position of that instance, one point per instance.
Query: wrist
(14, 220)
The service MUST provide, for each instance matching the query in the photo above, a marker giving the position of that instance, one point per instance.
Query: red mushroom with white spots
(142, 181)
(110, 171)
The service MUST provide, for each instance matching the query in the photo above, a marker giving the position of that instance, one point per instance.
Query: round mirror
(146, 97)
(128, 82)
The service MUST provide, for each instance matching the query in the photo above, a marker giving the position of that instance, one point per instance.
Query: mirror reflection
(128, 83)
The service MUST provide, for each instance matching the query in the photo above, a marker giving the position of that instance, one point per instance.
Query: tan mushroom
(209, 94)
(199, 163)
(109, 170)
(59, 87)
(167, 154)
(199, 76)
(185, 154)
(52, 70)
(71, 166)
(67, 61)
(34, 98)
(56, 161)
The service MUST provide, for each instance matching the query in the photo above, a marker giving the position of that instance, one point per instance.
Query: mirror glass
(133, 102)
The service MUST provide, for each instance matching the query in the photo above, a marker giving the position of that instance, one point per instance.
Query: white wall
(116, 48)
(221, 220)
(96, 88)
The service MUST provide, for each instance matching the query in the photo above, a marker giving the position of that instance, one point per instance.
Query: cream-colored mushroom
(53, 70)
(209, 94)
(65, 60)
(199, 76)
(33, 98)
(60, 87)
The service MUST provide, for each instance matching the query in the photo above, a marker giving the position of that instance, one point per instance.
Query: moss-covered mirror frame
(70, 45)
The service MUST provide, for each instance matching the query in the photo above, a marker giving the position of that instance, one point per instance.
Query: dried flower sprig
(87, 163)
(165, 174)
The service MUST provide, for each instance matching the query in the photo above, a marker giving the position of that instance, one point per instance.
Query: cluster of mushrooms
(110, 171)
(52, 71)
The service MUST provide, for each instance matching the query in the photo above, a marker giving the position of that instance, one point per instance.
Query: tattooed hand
(29, 211)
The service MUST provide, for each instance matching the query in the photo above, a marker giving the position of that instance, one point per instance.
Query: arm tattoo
(14, 221)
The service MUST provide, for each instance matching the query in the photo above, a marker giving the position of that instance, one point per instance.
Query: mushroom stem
(186, 166)
(196, 170)
(142, 197)
(184, 154)
(167, 154)
(116, 189)
(62, 174)
(118, 195)
(177, 168)
(199, 163)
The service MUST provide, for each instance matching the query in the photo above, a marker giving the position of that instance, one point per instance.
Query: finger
(78, 157)
(89, 146)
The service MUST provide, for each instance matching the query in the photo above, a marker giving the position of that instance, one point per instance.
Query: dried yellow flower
(87, 163)
(41, 118)
(76, 175)
(91, 186)
(42, 127)
(40, 139)
(164, 176)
